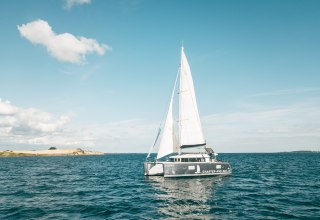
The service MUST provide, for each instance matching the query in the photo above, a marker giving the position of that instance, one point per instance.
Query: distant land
(301, 151)
(50, 152)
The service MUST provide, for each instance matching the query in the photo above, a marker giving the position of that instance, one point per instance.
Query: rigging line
(154, 143)
(171, 102)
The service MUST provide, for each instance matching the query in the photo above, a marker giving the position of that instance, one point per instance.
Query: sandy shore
(57, 152)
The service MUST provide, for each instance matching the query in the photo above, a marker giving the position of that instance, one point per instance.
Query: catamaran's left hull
(153, 169)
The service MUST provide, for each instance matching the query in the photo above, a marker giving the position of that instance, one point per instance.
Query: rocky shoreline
(54, 152)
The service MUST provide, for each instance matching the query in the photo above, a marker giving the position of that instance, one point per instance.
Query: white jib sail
(168, 143)
(191, 134)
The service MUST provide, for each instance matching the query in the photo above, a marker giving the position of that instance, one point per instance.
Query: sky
(98, 74)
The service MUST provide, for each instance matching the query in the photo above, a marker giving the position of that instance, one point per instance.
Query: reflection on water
(184, 197)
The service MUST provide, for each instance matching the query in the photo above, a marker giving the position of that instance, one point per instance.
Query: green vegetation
(13, 154)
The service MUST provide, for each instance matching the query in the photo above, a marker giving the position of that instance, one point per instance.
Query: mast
(179, 124)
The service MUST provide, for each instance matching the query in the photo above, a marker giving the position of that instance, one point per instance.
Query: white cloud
(29, 121)
(70, 3)
(33, 126)
(64, 47)
(6, 108)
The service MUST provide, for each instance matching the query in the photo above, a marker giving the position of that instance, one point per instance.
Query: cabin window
(178, 159)
(171, 159)
(192, 159)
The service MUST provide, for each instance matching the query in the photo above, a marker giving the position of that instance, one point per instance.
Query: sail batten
(193, 145)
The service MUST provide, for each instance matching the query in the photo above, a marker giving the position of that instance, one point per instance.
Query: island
(51, 152)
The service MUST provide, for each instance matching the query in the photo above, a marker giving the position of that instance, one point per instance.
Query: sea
(112, 186)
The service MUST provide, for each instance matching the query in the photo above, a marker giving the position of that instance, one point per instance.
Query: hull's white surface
(153, 169)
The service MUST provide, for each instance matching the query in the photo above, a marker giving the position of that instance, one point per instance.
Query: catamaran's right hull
(180, 169)
(187, 169)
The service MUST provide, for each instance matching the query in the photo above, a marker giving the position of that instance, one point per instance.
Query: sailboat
(172, 160)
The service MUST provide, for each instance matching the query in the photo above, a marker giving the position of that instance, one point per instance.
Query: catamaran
(171, 159)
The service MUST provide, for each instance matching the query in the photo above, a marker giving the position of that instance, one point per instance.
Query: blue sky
(98, 74)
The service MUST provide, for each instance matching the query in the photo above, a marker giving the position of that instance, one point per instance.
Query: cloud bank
(254, 128)
(293, 127)
(31, 126)
(64, 47)
(68, 4)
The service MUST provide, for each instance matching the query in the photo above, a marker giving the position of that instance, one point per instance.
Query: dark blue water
(263, 186)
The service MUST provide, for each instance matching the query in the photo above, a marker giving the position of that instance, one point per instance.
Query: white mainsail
(191, 134)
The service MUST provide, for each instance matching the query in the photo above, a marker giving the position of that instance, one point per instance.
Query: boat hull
(153, 169)
(187, 169)
(172, 169)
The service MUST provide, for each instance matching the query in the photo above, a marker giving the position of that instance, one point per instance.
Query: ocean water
(263, 186)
